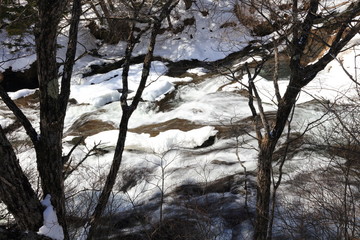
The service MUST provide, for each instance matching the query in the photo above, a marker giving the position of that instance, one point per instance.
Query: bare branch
(343, 36)
(67, 156)
(70, 54)
(69, 169)
(127, 112)
(31, 132)
(276, 72)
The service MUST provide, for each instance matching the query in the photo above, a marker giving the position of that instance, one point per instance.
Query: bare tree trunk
(127, 112)
(267, 147)
(263, 193)
(111, 177)
(53, 103)
(49, 145)
(263, 189)
(277, 183)
(300, 76)
(16, 191)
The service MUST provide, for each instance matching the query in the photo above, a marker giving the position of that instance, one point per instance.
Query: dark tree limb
(52, 102)
(300, 76)
(70, 54)
(16, 191)
(126, 114)
(342, 38)
(20, 116)
(69, 170)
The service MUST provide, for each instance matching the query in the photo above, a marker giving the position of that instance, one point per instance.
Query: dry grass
(30, 101)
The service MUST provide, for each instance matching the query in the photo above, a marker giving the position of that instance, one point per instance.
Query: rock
(89, 127)
(13, 81)
(220, 162)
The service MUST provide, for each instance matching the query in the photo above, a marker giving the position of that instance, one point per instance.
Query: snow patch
(21, 93)
(158, 90)
(51, 227)
(198, 71)
(4, 122)
(163, 142)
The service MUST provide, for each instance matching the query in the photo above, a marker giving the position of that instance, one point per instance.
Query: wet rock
(219, 162)
(89, 127)
(15, 80)
(209, 142)
(176, 123)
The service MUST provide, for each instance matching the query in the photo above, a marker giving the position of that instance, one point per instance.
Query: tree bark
(52, 102)
(127, 112)
(263, 189)
(16, 191)
(300, 76)
(267, 148)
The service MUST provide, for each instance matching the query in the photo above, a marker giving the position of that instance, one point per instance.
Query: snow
(18, 58)
(51, 227)
(210, 102)
(175, 138)
(165, 141)
(157, 90)
(21, 93)
(101, 89)
(331, 84)
(198, 71)
(5, 122)
(205, 40)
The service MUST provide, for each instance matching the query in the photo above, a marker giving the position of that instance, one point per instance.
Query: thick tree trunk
(16, 191)
(267, 148)
(53, 102)
(49, 162)
(263, 189)
(49, 146)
